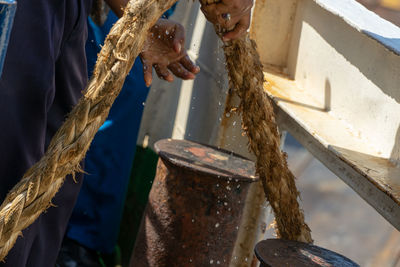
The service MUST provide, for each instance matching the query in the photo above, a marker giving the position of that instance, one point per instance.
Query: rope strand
(33, 194)
(246, 79)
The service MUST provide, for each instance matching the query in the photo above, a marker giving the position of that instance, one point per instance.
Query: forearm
(117, 6)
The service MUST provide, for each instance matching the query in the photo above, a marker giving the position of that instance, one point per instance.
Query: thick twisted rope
(33, 194)
(246, 79)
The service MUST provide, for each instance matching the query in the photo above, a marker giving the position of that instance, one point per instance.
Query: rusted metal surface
(195, 206)
(206, 159)
(278, 253)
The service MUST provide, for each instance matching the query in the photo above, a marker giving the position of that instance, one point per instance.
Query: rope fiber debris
(33, 194)
(246, 79)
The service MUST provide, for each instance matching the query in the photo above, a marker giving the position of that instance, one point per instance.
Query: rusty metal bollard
(195, 206)
(277, 253)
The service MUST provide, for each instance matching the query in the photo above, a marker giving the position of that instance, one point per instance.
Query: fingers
(237, 25)
(209, 2)
(167, 54)
(237, 6)
(163, 72)
(179, 71)
(238, 21)
(179, 38)
(189, 65)
(239, 30)
(184, 69)
(214, 14)
(147, 72)
(211, 13)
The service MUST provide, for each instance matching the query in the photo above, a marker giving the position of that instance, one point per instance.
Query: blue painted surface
(7, 13)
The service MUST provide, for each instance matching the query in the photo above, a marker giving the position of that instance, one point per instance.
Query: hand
(238, 20)
(164, 50)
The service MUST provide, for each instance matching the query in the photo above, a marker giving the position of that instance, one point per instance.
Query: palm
(164, 50)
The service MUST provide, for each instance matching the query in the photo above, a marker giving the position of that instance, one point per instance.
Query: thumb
(179, 38)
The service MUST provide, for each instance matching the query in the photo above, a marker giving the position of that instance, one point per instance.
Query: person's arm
(231, 15)
(117, 6)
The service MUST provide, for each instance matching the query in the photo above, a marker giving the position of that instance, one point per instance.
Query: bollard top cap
(278, 252)
(206, 159)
